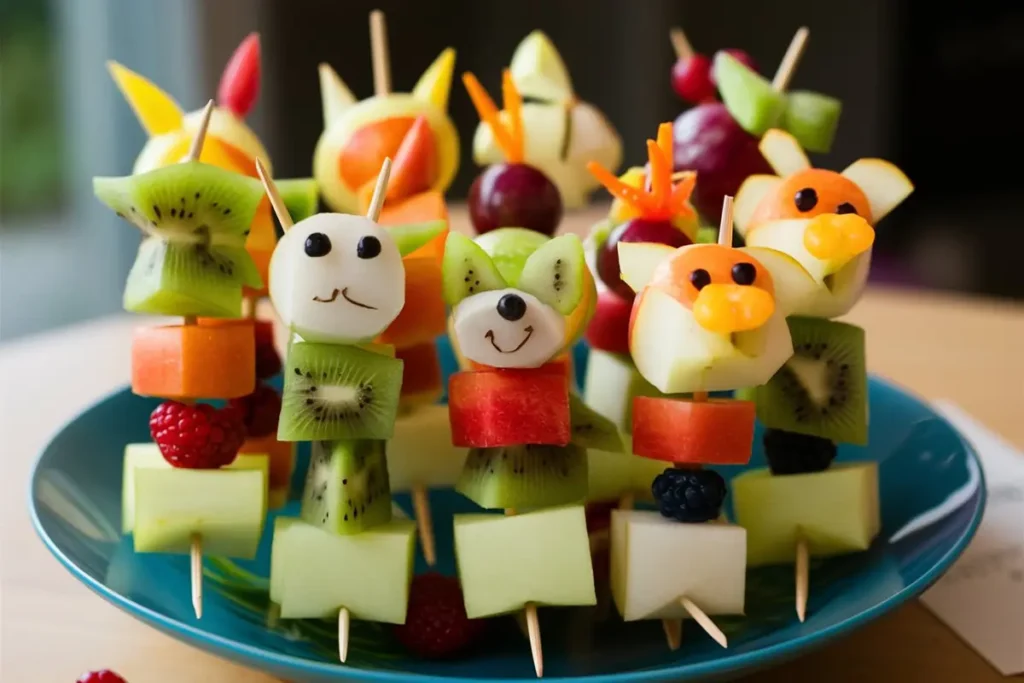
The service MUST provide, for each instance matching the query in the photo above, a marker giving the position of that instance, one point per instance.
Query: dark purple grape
(514, 196)
(636, 230)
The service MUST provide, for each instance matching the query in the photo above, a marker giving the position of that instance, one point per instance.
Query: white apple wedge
(783, 153)
(798, 293)
(639, 260)
(539, 71)
(885, 185)
(748, 197)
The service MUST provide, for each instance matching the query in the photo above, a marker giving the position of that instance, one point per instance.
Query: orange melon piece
(424, 316)
(281, 455)
(194, 361)
(360, 160)
(422, 380)
(712, 432)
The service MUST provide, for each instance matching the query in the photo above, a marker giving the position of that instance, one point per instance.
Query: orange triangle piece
(415, 165)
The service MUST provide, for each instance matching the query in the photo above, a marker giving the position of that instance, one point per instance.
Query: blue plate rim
(723, 665)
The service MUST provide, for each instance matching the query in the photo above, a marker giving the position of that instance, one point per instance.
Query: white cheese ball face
(338, 279)
(508, 328)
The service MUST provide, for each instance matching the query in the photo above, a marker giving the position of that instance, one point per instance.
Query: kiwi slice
(812, 119)
(822, 389)
(509, 248)
(554, 273)
(750, 98)
(347, 489)
(336, 392)
(467, 269)
(195, 218)
(590, 429)
(301, 197)
(530, 476)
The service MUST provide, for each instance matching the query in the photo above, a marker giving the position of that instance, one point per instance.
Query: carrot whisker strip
(661, 180)
(634, 196)
(514, 108)
(681, 194)
(488, 113)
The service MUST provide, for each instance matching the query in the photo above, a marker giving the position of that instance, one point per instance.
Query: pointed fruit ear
(156, 110)
(436, 82)
(639, 260)
(334, 94)
(240, 83)
(467, 270)
(884, 184)
(555, 273)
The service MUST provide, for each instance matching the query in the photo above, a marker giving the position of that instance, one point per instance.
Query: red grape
(691, 79)
(636, 230)
(514, 196)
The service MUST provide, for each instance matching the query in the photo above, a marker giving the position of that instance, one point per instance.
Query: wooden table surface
(52, 628)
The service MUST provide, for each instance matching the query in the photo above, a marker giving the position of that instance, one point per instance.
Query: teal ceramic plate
(932, 499)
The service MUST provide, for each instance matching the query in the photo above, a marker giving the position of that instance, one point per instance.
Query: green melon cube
(750, 98)
(655, 561)
(611, 384)
(541, 557)
(314, 573)
(613, 475)
(836, 511)
(137, 455)
(812, 119)
(421, 451)
(226, 507)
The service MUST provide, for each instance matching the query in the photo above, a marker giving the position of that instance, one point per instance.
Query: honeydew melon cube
(226, 507)
(613, 475)
(836, 511)
(541, 557)
(656, 561)
(611, 384)
(314, 573)
(421, 451)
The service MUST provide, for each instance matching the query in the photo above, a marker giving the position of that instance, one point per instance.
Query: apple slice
(749, 196)
(611, 383)
(639, 260)
(885, 185)
(750, 98)
(795, 289)
(613, 475)
(812, 119)
(538, 69)
(783, 152)
(546, 128)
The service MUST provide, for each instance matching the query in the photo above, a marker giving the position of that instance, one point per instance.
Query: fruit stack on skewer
(232, 145)
(337, 281)
(801, 506)
(191, 492)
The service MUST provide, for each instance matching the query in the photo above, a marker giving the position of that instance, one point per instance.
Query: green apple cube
(812, 119)
(750, 98)
(655, 561)
(421, 452)
(541, 557)
(314, 573)
(139, 455)
(613, 475)
(226, 507)
(611, 384)
(835, 511)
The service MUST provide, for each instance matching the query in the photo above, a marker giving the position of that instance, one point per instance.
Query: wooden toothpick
(701, 617)
(673, 632)
(802, 577)
(379, 191)
(533, 630)
(421, 508)
(379, 53)
(680, 44)
(784, 74)
(196, 553)
(200, 139)
(280, 209)
(725, 225)
(627, 501)
(344, 624)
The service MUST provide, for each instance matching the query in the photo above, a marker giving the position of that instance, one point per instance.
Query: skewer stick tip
(196, 556)
(424, 523)
(673, 633)
(533, 630)
(680, 43)
(280, 208)
(705, 622)
(379, 191)
(725, 225)
(196, 150)
(344, 623)
(802, 578)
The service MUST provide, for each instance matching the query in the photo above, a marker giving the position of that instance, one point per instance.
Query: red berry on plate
(197, 436)
(260, 410)
(268, 362)
(436, 626)
(104, 676)
(691, 79)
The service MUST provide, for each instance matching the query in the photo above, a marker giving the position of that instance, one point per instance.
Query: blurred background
(920, 87)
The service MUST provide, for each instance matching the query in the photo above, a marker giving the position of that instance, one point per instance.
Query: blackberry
(792, 453)
(689, 495)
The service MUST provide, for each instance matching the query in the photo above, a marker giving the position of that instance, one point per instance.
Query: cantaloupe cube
(138, 455)
(656, 561)
(541, 557)
(421, 451)
(226, 507)
(836, 511)
(314, 573)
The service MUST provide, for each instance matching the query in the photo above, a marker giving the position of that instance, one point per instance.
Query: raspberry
(792, 453)
(197, 436)
(689, 495)
(268, 363)
(260, 410)
(436, 625)
(104, 676)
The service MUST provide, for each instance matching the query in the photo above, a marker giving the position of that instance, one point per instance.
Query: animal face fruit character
(411, 128)
(562, 133)
(708, 317)
(519, 310)
(339, 279)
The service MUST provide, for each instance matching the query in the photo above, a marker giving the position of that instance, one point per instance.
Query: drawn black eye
(318, 244)
(744, 273)
(700, 279)
(368, 247)
(805, 199)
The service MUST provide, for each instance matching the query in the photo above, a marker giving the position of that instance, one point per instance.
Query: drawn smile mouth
(346, 297)
(490, 337)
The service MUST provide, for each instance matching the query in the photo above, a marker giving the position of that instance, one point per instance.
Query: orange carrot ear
(488, 113)
(240, 84)
(665, 143)
(514, 107)
(681, 194)
(660, 177)
(634, 196)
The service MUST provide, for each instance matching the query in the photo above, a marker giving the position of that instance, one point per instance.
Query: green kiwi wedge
(467, 270)
(334, 392)
(347, 489)
(195, 218)
(822, 389)
(555, 273)
(531, 476)
(509, 248)
(590, 429)
(301, 197)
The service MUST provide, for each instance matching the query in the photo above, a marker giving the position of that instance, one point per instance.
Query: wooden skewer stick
(344, 624)
(680, 43)
(533, 630)
(421, 507)
(802, 577)
(627, 501)
(673, 632)
(701, 617)
(379, 191)
(784, 74)
(380, 54)
(280, 208)
(725, 225)
(197, 143)
(196, 553)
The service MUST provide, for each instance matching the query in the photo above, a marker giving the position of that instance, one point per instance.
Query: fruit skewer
(193, 489)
